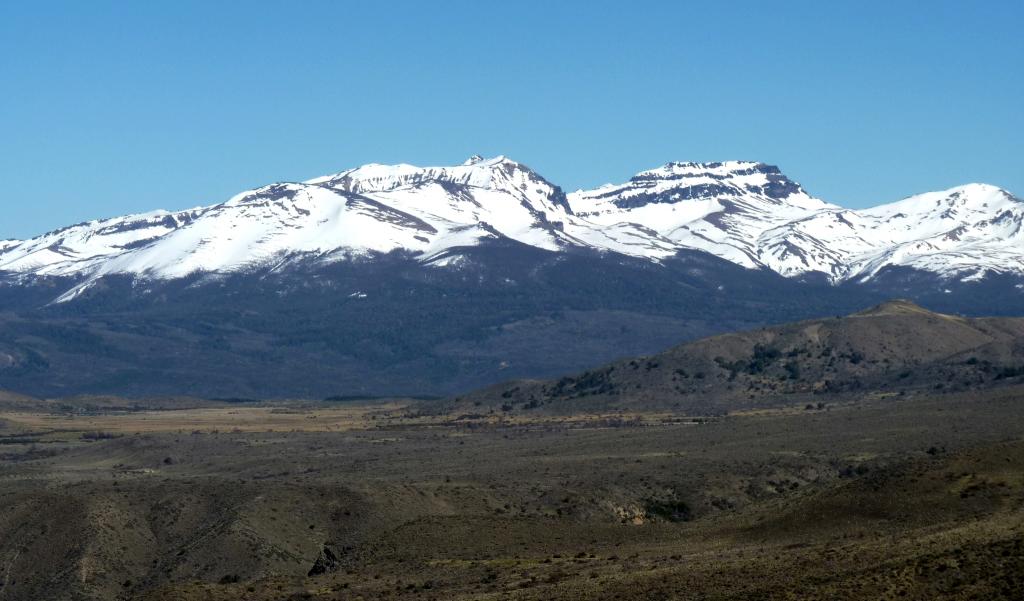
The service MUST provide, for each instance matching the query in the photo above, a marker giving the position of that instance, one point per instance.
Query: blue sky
(108, 108)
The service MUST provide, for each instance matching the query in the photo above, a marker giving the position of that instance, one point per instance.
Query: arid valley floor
(913, 496)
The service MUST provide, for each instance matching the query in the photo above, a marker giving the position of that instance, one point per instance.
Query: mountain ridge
(745, 212)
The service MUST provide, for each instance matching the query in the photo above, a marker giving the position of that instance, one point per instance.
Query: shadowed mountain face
(388, 326)
(895, 347)
(394, 326)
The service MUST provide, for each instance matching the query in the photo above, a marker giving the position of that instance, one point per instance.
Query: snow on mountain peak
(676, 182)
(687, 168)
(374, 177)
(965, 231)
(722, 207)
(746, 212)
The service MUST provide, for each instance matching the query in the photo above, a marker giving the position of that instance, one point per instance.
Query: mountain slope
(753, 215)
(390, 325)
(896, 346)
(721, 208)
(363, 212)
(966, 232)
(747, 213)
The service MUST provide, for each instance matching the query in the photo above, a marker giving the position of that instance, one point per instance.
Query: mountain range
(749, 214)
(396, 279)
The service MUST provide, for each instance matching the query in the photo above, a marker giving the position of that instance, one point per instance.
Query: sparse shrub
(673, 511)
(763, 357)
(100, 435)
(733, 367)
(1010, 372)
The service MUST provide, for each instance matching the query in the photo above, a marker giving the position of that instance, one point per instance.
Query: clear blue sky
(108, 108)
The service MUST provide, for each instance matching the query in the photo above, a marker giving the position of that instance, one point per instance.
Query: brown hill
(897, 347)
(12, 401)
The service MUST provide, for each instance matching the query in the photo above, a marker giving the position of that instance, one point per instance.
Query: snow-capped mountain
(965, 232)
(720, 208)
(747, 213)
(753, 215)
(372, 209)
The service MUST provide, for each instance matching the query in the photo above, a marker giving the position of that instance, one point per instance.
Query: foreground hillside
(894, 348)
(899, 498)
